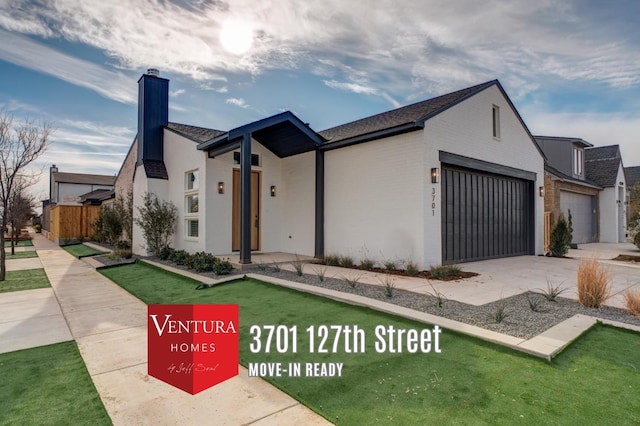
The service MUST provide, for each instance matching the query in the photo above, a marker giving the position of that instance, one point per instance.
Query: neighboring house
(567, 188)
(97, 197)
(451, 179)
(603, 166)
(68, 188)
(632, 175)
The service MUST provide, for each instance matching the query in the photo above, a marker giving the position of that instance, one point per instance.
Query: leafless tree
(19, 210)
(20, 145)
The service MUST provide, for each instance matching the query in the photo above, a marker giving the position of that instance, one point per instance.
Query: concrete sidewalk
(109, 326)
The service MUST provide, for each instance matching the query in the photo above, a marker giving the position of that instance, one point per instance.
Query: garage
(583, 215)
(485, 215)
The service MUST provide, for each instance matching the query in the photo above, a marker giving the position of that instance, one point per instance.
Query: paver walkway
(109, 326)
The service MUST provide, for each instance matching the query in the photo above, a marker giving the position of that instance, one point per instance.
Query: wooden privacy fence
(72, 221)
(547, 231)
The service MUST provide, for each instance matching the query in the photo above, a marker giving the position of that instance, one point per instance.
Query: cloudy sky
(572, 68)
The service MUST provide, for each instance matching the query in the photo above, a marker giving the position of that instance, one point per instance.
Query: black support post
(245, 199)
(319, 246)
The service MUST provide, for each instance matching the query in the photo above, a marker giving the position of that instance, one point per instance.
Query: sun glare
(236, 37)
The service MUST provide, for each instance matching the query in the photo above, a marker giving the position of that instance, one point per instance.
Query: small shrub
(262, 266)
(346, 261)
(166, 253)
(560, 238)
(353, 282)
(332, 260)
(123, 245)
(501, 312)
(632, 302)
(411, 268)
(38, 228)
(80, 238)
(222, 266)
(390, 265)
(594, 283)
(367, 264)
(389, 285)
(276, 267)
(200, 262)
(298, 265)
(65, 241)
(179, 257)
(437, 295)
(636, 240)
(320, 272)
(534, 302)
(552, 292)
(120, 254)
(445, 271)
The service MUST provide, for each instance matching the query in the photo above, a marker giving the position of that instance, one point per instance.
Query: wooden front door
(255, 211)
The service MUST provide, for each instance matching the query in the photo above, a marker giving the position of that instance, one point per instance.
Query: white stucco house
(452, 179)
(604, 166)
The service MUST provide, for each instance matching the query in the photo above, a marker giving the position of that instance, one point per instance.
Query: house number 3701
(433, 201)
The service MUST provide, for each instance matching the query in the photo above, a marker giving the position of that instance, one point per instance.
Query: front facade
(447, 180)
(567, 189)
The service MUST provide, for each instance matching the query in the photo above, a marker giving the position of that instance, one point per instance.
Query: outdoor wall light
(435, 175)
(273, 190)
(220, 187)
(541, 191)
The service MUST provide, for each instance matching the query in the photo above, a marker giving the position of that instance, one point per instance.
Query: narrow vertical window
(578, 162)
(496, 122)
(191, 203)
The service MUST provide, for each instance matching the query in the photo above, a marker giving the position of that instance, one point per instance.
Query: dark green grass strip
(48, 385)
(82, 250)
(22, 254)
(22, 243)
(595, 381)
(24, 280)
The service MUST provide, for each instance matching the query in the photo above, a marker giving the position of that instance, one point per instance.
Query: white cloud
(405, 47)
(24, 52)
(176, 93)
(237, 102)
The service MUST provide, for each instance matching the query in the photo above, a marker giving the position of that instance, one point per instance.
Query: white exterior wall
(467, 129)
(296, 196)
(613, 213)
(180, 157)
(374, 203)
(69, 193)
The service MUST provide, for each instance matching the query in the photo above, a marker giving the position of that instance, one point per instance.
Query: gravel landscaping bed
(519, 321)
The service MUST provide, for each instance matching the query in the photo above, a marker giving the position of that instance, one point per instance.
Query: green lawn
(21, 254)
(48, 385)
(24, 280)
(82, 250)
(595, 381)
(23, 243)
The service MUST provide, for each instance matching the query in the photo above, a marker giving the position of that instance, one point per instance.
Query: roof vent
(154, 72)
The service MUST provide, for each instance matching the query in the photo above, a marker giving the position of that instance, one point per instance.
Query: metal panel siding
(153, 115)
(485, 216)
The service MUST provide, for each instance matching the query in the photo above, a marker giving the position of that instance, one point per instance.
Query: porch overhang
(283, 134)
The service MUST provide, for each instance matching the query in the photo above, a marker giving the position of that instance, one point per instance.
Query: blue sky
(572, 68)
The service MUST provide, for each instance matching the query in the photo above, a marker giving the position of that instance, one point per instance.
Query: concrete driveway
(514, 275)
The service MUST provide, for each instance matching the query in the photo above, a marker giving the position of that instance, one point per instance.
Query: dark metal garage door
(485, 215)
(583, 215)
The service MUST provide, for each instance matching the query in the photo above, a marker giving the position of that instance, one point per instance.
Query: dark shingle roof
(632, 174)
(83, 178)
(98, 195)
(197, 134)
(602, 164)
(401, 116)
(155, 169)
(567, 178)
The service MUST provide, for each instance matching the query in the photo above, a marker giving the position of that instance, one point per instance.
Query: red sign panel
(193, 347)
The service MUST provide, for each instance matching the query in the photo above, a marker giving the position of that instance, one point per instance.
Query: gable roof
(97, 195)
(602, 163)
(83, 178)
(541, 139)
(566, 178)
(406, 118)
(632, 175)
(195, 133)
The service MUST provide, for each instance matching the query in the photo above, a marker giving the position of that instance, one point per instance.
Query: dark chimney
(153, 115)
(52, 190)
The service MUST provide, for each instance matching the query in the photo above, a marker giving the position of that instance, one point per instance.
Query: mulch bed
(627, 258)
